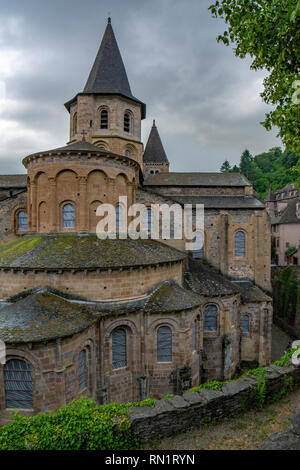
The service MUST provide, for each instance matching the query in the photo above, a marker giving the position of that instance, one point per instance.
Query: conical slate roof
(108, 74)
(155, 152)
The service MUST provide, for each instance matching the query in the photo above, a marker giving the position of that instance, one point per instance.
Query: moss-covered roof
(74, 251)
(206, 280)
(42, 316)
(251, 293)
(45, 314)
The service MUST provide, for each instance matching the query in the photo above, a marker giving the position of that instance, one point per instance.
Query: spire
(154, 152)
(108, 74)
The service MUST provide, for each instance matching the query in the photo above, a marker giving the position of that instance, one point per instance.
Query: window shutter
(104, 119)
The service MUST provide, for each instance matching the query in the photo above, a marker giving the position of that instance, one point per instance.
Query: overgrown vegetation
(83, 425)
(273, 169)
(211, 385)
(286, 295)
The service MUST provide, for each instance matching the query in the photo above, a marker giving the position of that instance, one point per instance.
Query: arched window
(164, 344)
(210, 317)
(127, 122)
(147, 221)
(22, 221)
(104, 119)
(194, 336)
(245, 323)
(198, 242)
(240, 244)
(127, 153)
(119, 215)
(18, 384)
(82, 370)
(119, 354)
(74, 123)
(68, 216)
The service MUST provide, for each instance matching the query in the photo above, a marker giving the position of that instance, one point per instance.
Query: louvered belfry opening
(104, 119)
(18, 384)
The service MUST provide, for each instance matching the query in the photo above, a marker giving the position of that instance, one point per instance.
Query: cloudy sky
(205, 100)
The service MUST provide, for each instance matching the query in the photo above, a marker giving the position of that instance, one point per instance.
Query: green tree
(246, 162)
(269, 31)
(225, 168)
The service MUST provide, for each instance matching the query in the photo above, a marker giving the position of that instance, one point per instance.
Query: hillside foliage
(273, 169)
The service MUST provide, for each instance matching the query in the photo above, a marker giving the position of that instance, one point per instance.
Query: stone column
(223, 242)
(34, 208)
(83, 209)
(52, 204)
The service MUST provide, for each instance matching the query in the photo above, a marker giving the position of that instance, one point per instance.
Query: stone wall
(93, 285)
(88, 108)
(8, 212)
(286, 306)
(182, 412)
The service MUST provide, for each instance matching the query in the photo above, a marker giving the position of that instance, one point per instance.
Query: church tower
(106, 112)
(155, 159)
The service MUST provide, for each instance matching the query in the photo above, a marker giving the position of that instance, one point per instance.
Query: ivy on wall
(286, 295)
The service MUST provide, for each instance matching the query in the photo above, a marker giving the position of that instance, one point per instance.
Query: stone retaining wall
(179, 413)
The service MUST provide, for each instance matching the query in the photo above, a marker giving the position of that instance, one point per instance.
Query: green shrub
(81, 425)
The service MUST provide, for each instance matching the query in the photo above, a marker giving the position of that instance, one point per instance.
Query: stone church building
(122, 319)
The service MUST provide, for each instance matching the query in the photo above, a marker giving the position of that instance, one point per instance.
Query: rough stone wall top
(196, 179)
(13, 181)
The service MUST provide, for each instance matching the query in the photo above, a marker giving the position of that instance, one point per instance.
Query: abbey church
(122, 319)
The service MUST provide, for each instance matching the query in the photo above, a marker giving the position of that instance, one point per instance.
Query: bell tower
(106, 111)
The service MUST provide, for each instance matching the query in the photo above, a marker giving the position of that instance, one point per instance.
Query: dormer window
(126, 122)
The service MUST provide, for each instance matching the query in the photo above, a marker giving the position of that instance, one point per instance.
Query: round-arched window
(104, 119)
(119, 348)
(22, 221)
(127, 122)
(147, 220)
(164, 344)
(68, 216)
(198, 245)
(245, 323)
(18, 384)
(82, 370)
(210, 317)
(240, 244)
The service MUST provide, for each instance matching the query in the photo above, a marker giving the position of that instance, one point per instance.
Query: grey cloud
(174, 64)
